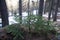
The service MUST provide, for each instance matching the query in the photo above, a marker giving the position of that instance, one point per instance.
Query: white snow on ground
(24, 14)
(12, 21)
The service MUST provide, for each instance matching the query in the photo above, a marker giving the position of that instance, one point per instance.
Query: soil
(36, 36)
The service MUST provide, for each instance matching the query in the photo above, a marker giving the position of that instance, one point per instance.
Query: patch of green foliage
(15, 31)
(17, 18)
(36, 23)
(39, 24)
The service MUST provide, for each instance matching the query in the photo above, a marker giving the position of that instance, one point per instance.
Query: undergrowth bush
(34, 23)
(15, 30)
(38, 24)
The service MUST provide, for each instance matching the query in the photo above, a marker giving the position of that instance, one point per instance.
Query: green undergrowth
(33, 23)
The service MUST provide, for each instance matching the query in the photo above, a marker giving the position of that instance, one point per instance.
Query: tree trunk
(4, 13)
(29, 14)
(41, 3)
(20, 10)
(56, 10)
(51, 6)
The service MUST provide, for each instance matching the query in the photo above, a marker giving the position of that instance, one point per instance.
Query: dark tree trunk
(20, 9)
(56, 10)
(28, 5)
(41, 3)
(4, 13)
(51, 6)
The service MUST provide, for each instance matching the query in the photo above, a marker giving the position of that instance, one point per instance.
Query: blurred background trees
(4, 13)
(21, 8)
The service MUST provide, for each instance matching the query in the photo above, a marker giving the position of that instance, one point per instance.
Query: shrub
(16, 31)
(33, 23)
(39, 24)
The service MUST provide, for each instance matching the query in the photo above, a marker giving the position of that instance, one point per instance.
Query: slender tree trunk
(51, 6)
(29, 13)
(56, 10)
(41, 3)
(28, 7)
(20, 10)
(4, 13)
